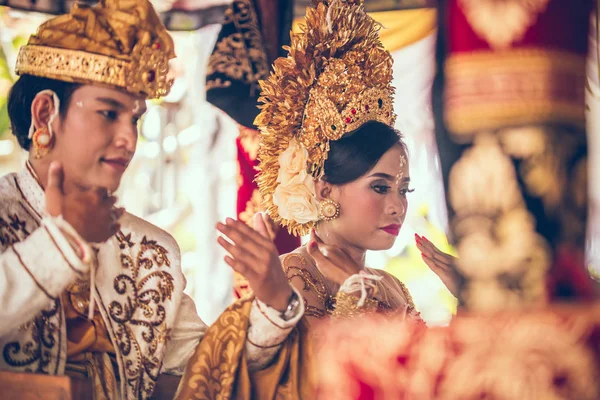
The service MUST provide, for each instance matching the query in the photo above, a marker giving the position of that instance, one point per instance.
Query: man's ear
(42, 109)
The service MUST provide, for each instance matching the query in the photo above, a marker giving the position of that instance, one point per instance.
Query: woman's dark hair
(357, 152)
(21, 96)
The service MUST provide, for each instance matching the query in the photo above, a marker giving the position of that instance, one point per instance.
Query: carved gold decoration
(502, 22)
(121, 43)
(336, 77)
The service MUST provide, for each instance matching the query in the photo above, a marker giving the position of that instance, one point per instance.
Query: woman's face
(96, 139)
(373, 207)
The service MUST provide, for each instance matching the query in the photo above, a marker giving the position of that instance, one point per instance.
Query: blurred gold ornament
(121, 43)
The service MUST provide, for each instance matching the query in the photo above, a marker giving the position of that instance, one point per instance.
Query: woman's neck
(329, 237)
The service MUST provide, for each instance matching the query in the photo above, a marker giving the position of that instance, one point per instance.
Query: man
(112, 313)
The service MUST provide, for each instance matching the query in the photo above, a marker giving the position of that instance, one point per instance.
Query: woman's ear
(42, 110)
(323, 189)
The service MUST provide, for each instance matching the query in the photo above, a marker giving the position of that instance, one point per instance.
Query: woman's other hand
(253, 254)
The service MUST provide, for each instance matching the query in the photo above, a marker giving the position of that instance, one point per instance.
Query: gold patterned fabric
(121, 43)
(252, 35)
(323, 299)
(218, 369)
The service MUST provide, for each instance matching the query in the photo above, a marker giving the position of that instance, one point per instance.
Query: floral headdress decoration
(336, 77)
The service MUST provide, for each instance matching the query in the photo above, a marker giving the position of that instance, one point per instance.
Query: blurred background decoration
(184, 176)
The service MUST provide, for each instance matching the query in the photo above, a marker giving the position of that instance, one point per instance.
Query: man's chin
(111, 184)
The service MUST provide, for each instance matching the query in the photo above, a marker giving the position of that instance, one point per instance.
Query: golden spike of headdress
(336, 77)
(121, 43)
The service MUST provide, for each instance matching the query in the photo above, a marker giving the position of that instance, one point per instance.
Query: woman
(112, 316)
(333, 165)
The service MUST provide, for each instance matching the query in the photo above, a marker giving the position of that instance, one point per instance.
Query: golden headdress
(336, 77)
(121, 43)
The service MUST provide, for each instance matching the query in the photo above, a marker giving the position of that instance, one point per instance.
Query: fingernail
(423, 255)
(313, 245)
(220, 225)
(229, 220)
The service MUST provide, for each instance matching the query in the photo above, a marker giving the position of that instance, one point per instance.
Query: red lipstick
(393, 229)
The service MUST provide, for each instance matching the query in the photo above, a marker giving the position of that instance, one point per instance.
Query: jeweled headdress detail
(336, 77)
(121, 43)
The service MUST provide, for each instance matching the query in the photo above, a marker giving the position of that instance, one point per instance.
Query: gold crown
(121, 43)
(336, 77)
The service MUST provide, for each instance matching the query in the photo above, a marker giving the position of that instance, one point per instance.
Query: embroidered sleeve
(267, 331)
(34, 272)
(306, 278)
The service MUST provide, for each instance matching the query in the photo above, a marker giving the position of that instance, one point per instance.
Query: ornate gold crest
(120, 43)
(336, 77)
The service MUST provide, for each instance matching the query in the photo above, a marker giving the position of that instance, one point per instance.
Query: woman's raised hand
(442, 264)
(253, 254)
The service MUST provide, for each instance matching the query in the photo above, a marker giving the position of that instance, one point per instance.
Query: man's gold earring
(328, 210)
(42, 142)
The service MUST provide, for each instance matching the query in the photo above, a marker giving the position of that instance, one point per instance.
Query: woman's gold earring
(328, 210)
(42, 142)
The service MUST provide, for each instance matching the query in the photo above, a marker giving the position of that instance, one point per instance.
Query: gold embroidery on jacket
(142, 309)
